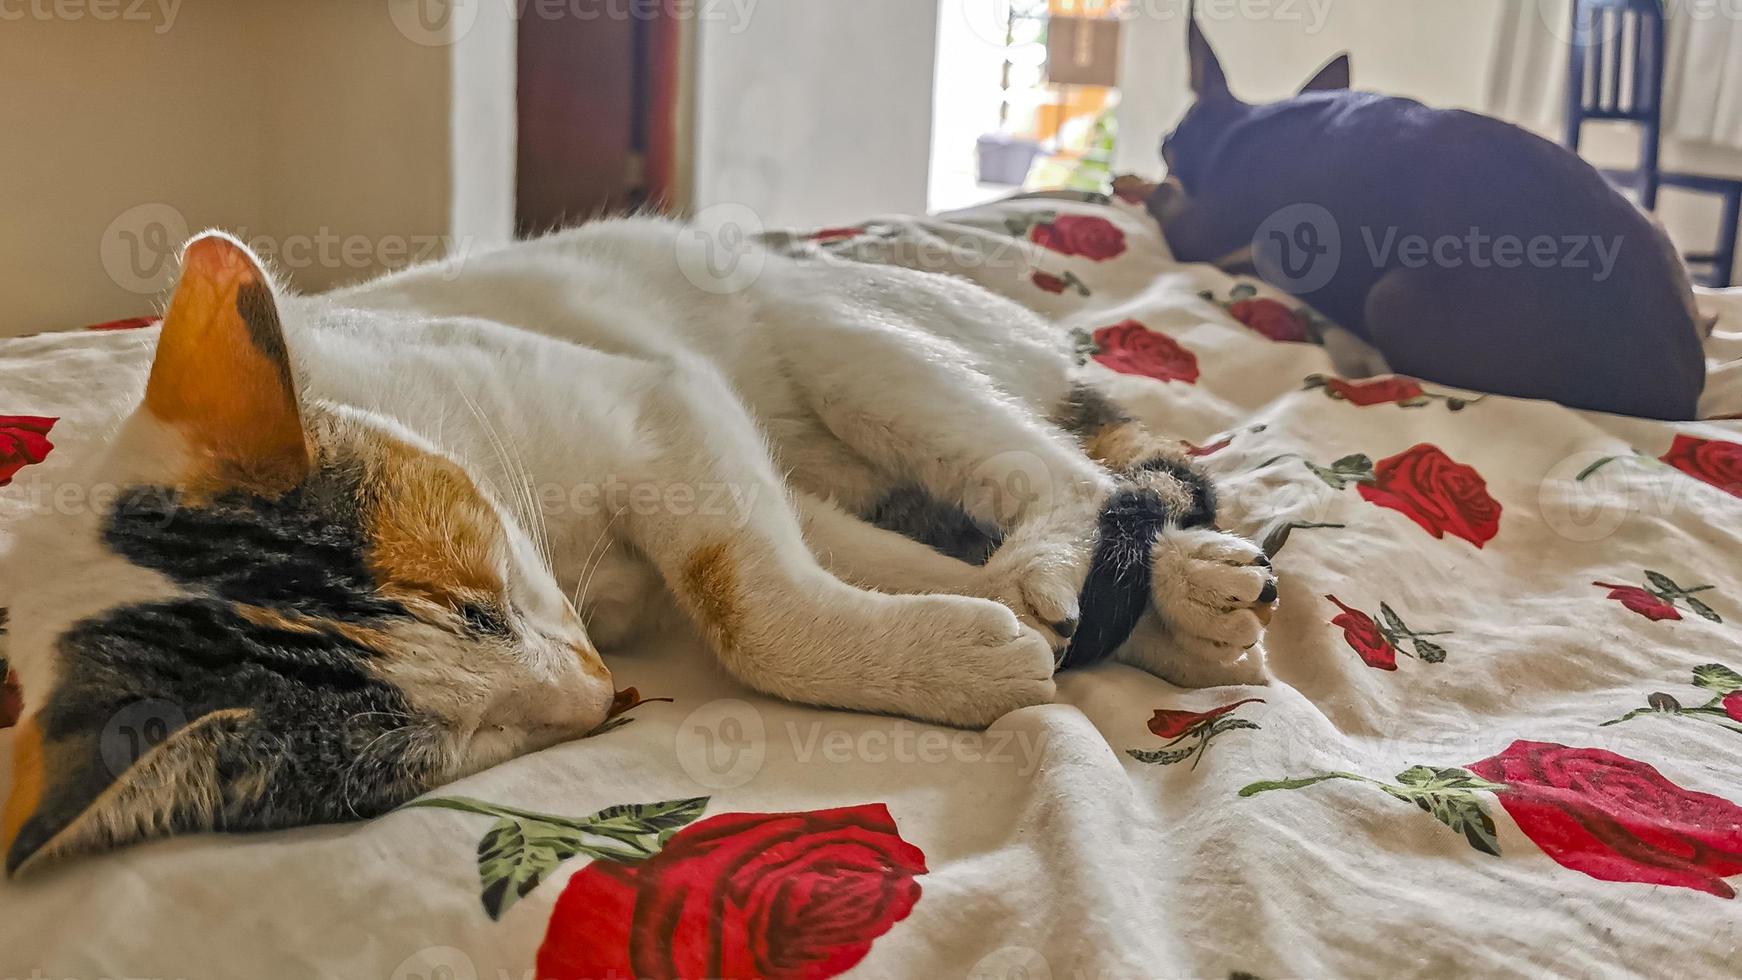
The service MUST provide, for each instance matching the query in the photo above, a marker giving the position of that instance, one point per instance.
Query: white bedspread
(1431, 787)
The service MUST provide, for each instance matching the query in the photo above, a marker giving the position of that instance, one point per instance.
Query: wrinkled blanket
(1503, 737)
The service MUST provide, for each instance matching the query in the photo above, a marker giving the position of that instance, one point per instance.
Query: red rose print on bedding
(1200, 727)
(1590, 810)
(1658, 599)
(23, 442)
(1616, 819)
(1087, 236)
(1365, 637)
(668, 895)
(1443, 496)
(777, 895)
(1210, 449)
(1378, 644)
(1422, 483)
(1380, 391)
(131, 323)
(11, 697)
(1272, 319)
(1640, 601)
(1132, 348)
(1050, 283)
(1712, 460)
(1397, 390)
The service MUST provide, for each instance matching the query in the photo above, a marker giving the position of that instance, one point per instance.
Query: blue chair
(1616, 72)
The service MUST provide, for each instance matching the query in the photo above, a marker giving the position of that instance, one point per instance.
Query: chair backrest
(1617, 64)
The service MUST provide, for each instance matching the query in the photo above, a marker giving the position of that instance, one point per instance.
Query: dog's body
(1466, 250)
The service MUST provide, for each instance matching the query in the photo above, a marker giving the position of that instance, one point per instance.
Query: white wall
(812, 112)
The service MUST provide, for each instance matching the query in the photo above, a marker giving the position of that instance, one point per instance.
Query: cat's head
(1190, 150)
(289, 612)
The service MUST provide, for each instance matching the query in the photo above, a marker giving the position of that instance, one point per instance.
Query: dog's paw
(1213, 591)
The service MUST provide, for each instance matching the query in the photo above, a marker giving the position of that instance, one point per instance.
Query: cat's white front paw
(1039, 571)
(978, 664)
(1214, 591)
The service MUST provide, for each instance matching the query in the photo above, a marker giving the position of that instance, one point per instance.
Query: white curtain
(1527, 84)
(1703, 82)
(1703, 96)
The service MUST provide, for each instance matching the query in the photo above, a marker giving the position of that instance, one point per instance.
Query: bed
(1504, 736)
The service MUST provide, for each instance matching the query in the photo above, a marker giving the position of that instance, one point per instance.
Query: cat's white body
(653, 413)
(369, 542)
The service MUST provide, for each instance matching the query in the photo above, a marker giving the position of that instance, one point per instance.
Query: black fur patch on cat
(1202, 512)
(1117, 591)
(914, 513)
(259, 314)
(326, 741)
(271, 582)
(281, 553)
(1086, 411)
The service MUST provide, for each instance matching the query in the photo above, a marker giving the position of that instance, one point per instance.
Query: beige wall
(320, 130)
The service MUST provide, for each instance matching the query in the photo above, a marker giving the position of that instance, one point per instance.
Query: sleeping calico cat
(370, 542)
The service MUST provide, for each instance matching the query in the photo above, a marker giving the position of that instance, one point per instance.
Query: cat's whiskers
(525, 502)
(363, 758)
(589, 568)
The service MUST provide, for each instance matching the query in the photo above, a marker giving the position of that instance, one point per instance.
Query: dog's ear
(1334, 77)
(1208, 80)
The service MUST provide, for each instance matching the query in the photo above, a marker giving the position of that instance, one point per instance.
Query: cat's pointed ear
(67, 798)
(222, 376)
(1334, 77)
(1209, 83)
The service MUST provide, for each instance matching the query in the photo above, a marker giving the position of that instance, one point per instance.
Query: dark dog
(1466, 250)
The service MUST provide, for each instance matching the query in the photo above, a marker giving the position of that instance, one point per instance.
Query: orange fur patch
(1122, 445)
(27, 777)
(311, 625)
(433, 535)
(221, 374)
(710, 584)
